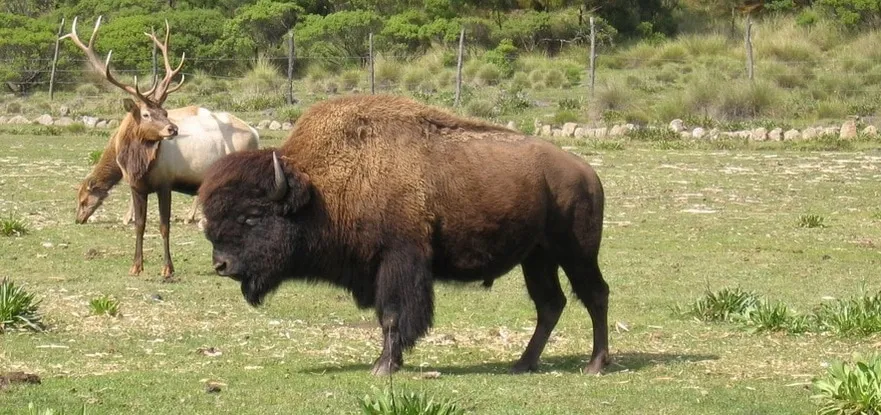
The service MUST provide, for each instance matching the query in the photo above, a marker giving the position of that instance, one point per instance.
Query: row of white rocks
(95, 122)
(847, 130)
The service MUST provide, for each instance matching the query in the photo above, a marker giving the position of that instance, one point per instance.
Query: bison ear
(299, 191)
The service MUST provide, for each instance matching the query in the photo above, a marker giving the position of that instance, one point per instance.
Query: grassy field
(680, 219)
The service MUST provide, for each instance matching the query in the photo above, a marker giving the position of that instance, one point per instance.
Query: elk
(157, 151)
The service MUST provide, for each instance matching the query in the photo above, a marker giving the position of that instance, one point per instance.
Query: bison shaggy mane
(382, 196)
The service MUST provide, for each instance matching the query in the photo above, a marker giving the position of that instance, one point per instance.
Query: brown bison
(383, 196)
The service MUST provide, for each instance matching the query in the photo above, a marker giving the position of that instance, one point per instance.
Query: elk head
(150, 120)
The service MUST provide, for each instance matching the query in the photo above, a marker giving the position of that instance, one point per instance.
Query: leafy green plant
(11, 225)
(810, 221)
(855, 316)
(406, 403)
(94, 156)
(850, 389)
(768, 317)
(18, 308)
(569, 104)
(724, 305)
(104, 305)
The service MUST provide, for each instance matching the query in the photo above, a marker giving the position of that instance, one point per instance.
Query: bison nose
(220, 266)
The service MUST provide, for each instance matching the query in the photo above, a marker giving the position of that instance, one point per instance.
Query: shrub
(850, 389)
(262, 78)
(743, 99)
(512, 102)
(289, 113)
(724, 305)
(810, 221)
(488, 74)
(387, 72)
(856, 316)
(11, 225)
(13, 107)
(87, 90)
(414, 77)
(388, 403)
(555, 78)
(564, 116)
(520, 80)
(104, 305)
(350, 79)
(613, 95)
(18, 308)
(569, 104)
(481, 108)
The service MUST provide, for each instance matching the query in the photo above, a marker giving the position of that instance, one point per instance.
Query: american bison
(383, 196)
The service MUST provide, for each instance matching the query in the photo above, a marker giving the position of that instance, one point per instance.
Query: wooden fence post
(55, 61)
(749, 47)
(291, 58)
(459, 67)
(593, 54)
(372, 77)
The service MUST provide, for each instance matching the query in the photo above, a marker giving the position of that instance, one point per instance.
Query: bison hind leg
(543, 285)
(588, 284)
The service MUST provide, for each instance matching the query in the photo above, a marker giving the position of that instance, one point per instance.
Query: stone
(18, 119)
(628, 128)
(113, 124)
(286, 126)
(101, 124)
(546, 130)
(44, 119)
(698, 132)
(89, 121)
(64, 110)
(677, 126)
(511, 125)
(275, 126)
(830, 131)
(870, 131)
(4, 119)
(616, 131)
(557, 132)
(601, 132)
(791, 135)
(684, 134)
(848, 130)
(776, 134)
(713, 133)
(759, 134)
(580, 132)
(64, 121)
(569, 129)
(809, 133)
(263, 124)
(536, 125)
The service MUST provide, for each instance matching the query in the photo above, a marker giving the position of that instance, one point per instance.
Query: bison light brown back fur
(383, 196)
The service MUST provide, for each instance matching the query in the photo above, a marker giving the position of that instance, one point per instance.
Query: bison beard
(383, 196)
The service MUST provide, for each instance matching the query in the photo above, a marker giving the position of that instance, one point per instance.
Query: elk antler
(160, 89)
(101, 68)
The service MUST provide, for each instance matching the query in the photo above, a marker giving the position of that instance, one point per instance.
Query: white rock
(760, 134)
(677, 126)
(263, 124)
(63, 110)
(275, 126)
(601, 132)
(698, 132)
(112, 124)
(830, 131)
(569, 129)
(870, 131)
(546, 130)
(101, 124)
(18, 119)
(776, 134)
(580, 132)
(44, 119)
(89, 121)
(511, 125)
(286, 126)
(809, 133)
(792, 134)
(684, 134)
(616, 131)
(713, 133)
(4, 119)
(848, 130)
(64, 122)
(557, 132)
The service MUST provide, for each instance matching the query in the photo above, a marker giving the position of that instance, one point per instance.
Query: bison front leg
(404, 305)
(139, 206)
(164, 196)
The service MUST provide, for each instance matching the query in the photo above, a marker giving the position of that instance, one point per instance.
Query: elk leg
(164, 196)
(139, 204)
(588, 284)
(404, 305)
(191, 215)
(127, 218)
(543, 285)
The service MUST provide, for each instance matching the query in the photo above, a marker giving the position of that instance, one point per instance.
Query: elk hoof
(136, 269)
(167, 271)
(523, 367)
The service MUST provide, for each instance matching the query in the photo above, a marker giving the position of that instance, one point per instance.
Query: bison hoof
(523, 367)
(385, 368)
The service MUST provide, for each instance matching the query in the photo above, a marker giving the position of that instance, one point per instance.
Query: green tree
(25, 51)
(341, 34)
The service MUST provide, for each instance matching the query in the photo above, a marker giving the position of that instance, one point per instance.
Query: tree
(25, 49)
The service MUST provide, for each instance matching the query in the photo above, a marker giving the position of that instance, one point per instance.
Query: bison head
(256, 211)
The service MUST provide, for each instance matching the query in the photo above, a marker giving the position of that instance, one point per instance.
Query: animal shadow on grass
(628, 361)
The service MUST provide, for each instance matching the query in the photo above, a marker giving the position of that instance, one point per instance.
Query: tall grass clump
(855, 316)
(12, 225)
(613, 95)
(811, 221)
(18, 308)
(850, 388)
(262, 78)
(104, 305)
(743, 99)
(724, 305)
(406, 403)
(387, 72)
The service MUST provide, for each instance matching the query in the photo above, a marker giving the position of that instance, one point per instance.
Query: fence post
(593, 54)
(291, 68)
(55, 61)
(459, 67)
(749, 46)
(372, 78)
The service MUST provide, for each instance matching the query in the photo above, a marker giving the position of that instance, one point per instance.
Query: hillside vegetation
(814, 61)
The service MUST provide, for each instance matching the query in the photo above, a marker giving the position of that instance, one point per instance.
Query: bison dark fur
(383, 196)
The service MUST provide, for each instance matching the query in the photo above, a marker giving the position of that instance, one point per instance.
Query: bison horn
(281, 182)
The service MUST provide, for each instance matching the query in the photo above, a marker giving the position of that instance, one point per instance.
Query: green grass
(679, 222)
(811, 221)
(850, 388)
(18, 308)
(406, 403)
(104, 305)
(13, 225)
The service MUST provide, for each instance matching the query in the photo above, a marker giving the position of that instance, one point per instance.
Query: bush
(415, 77)
(481, 108)
(744, 99)
(724, 305)
(488, 74)
(87, 90)
(850, 389)
(18, 308)
(350, 79)
(857, 316)
(555, 78)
